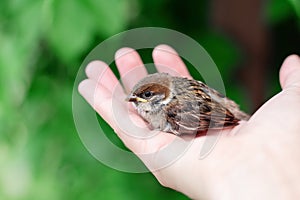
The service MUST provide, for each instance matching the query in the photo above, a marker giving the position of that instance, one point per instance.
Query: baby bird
(183, 106)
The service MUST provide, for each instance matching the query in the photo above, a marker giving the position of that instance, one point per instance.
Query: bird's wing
(199, 112)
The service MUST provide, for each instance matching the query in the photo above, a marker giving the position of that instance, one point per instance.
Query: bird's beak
(133, 98)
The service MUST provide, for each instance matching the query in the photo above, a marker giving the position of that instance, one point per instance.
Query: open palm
(253, 159)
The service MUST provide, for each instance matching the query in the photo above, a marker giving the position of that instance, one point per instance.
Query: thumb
(290, 72)
(280, 114)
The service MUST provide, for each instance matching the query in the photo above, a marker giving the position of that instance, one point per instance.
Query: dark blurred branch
(243, 22)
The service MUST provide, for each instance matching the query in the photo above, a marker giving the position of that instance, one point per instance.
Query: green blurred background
(42, 44)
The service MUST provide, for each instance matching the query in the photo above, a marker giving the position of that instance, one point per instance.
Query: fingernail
(166, 48)
(123, 51)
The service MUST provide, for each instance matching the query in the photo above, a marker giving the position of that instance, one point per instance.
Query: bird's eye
(147, 94)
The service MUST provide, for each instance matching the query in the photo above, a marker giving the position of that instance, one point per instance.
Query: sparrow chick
(182, 106)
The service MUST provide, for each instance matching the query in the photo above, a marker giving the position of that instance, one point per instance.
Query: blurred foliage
(279, 10)
(296, 6)
(42, 46)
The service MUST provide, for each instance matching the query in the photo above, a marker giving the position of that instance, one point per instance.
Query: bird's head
(151, 93)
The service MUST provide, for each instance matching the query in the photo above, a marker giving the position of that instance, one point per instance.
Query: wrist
(259, 177)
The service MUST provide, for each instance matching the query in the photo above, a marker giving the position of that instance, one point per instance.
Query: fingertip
(123, 51)
(168, 60)
(163, 47)
(293, 56)
(290, 71)
(81, 86)
(130, 66)
(86, 89)
(95, 68)
(85, 86)
(101, 73)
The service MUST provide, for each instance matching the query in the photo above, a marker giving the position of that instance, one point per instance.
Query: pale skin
(258, 159)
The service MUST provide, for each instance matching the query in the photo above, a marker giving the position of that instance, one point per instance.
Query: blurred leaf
(222, 50)
(8, 74)
(19, 42)
(74, 24)
(278, 10)
(71, 29)
(28, 26)
(110, 16)
(296, 6)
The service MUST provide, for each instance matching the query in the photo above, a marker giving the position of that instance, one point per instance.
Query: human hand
(251, 160)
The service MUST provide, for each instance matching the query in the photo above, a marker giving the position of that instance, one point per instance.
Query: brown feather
(183, 106)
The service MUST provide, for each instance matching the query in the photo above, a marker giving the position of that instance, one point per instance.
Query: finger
(87, 88)
(167, 60)
(101, 100)
(100, 72)
(95, 69)
(290, 72)
(97, 94)
(280, 112)
(130, 66)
